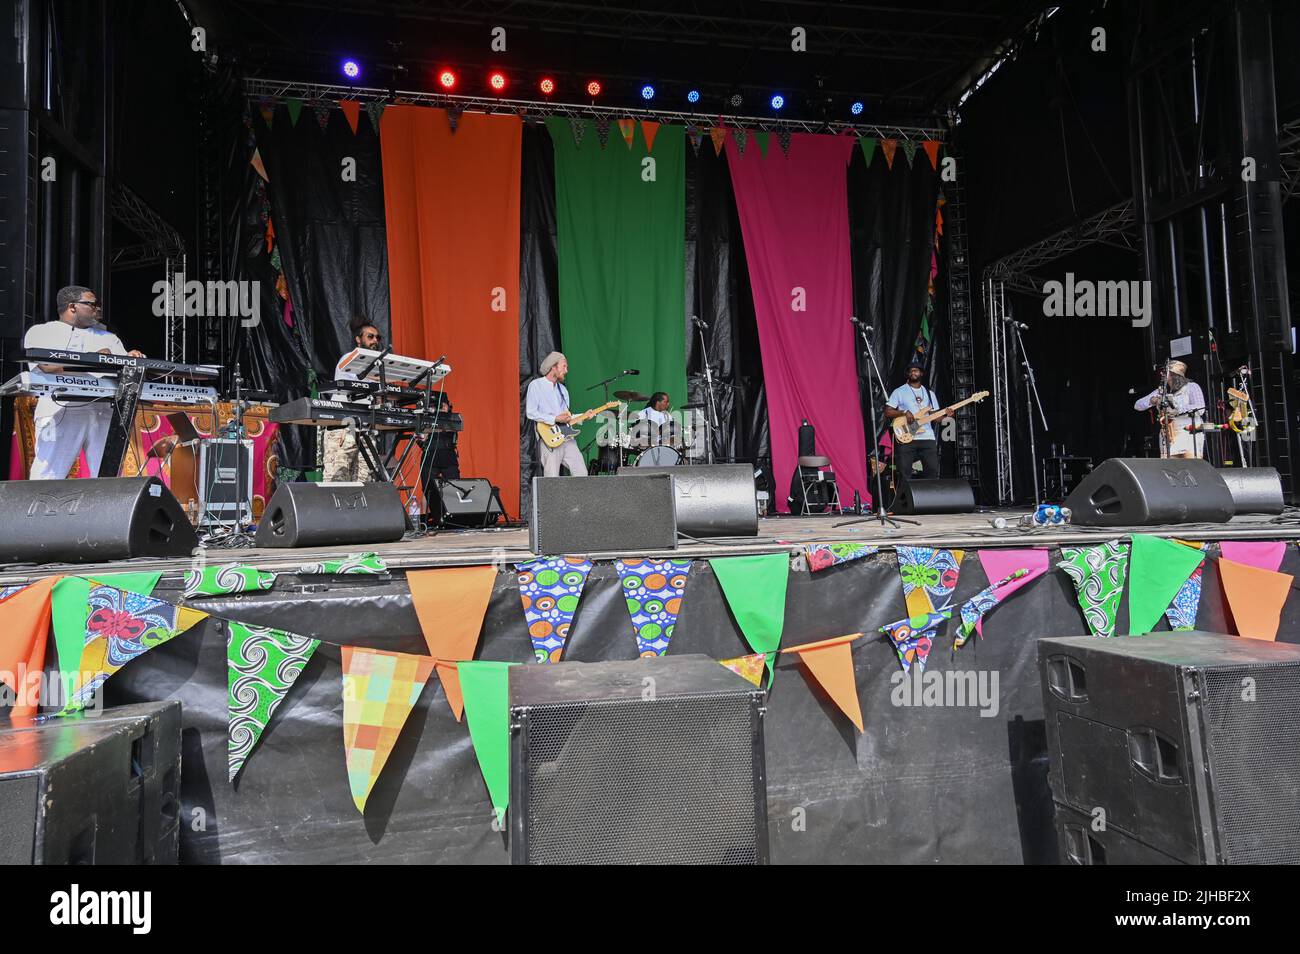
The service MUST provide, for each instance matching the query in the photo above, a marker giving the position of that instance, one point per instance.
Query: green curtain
(622, 254)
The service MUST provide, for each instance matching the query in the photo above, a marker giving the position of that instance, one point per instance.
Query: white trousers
(60, 438)
(567, 454)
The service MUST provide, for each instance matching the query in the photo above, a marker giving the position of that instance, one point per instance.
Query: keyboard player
(343, 461)
(64, 429)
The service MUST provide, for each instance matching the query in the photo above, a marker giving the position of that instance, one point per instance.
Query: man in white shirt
(547, 402)
(63, 428)
(908, 400)
(1184, 406)
(343, 462)
(657, 408)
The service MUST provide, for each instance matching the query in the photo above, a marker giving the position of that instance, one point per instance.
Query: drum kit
(647, 444)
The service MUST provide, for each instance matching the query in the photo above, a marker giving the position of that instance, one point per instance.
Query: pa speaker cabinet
(1083, 840)
(714, 500)
(464, 502)
(658, 761)
(100, 789)
(1188, 742)
(1142, 491)
(1254, 489)
(91, 521)
(941, 495)
(602, 514)
(336, 514)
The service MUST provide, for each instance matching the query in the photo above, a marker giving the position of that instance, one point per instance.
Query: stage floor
(510, 545)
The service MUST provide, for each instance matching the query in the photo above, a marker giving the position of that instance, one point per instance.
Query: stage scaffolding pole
(995, 309)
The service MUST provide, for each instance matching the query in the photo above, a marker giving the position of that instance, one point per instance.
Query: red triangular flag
(931, 147)
(352, 110)
(648, 129)
(889, 147)
(719, 136)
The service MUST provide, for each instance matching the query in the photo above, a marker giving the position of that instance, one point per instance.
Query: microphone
(631, 371)
(699, 321)
(1016, 324)
(858, 321)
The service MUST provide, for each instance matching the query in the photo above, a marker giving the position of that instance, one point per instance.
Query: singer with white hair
(1179, 404)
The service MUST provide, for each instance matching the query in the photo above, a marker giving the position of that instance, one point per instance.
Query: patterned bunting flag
(719, 136)
(602, 131)
(888, 147)
(550, 589)
(1182, 611)
(868, 145)
(579, 127)
(379, 691)
(233, 578)
(262, 664)
(9, 591)
(351, 112)
(453, 117)
(913, 637)
(823, 556)
(931, 147)
(909, 150)
(122, 626)
(929, 577)
(975, 608)
(294, 106)
(1098, 574)
(653, 590)
(695, 137)
(649, 129)
(375, 110)
(749, 668)
(322, 115)
(761, 137)
(368, 562)
(627, 127)
(742, 137)
(783, 137)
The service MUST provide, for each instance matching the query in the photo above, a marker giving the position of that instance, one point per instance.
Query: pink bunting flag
(999, 564)
(1264, 555)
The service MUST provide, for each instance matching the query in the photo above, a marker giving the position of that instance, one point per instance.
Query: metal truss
(1288, 154)
(159, 240)
(1113, 226)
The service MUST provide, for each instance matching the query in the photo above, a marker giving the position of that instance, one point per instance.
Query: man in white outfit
(1185, 402)
(63, 428)
(548, 402)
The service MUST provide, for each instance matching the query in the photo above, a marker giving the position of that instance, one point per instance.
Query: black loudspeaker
(655, 761)
(1254, 489)
(324, 515)
(103, 790)
(1186, 742)
(91, 521)
(602, 514)
(1087, 840)
(464, 502)
(941, 495)
(1140, 491)
(716, 500)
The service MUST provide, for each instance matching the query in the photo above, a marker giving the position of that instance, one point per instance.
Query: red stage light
(593, 88)
(447, 79)
(547, 86)
(497, 81)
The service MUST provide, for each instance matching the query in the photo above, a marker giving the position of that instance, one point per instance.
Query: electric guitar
(553, 435)
(904, 432)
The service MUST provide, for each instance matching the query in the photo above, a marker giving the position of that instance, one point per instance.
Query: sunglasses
(91, 303)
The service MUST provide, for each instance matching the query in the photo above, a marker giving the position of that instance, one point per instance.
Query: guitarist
(548, 402)
(907, 401)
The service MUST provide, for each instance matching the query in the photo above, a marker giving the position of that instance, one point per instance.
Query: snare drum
(659, 456)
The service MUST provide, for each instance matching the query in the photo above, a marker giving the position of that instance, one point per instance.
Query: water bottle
(413, 511)
(1044, 515)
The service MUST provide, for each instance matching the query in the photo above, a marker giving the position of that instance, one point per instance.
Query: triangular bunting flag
(602, 131)
(783, 137)
(258, 165)
(1260, 554)
(1182, 611)
(978, 606)
(220, 580)
(653, 591)
(375, 110)
(352, 111)
(487, 710)
(931, 147)
(754, 587)
(627, 127)
(749, 668)
(379, 691)
(322, 115)
(1098, 574)
(451, 604)
(695, 136)
(913, 637)
(761, 137)
(999, 564)
(352, 564)
(719, 136)
(70, 608)
(868, 145)
(294, 106)
(742, 137)
(649, 129)
(1255, 597)
(268, 113)
(909, 150)
(550, 589)
(453, 117)
(579, 127)
(830, 662)
(1158, 568)
(929, 577)
(823, 556)
(24, 630)
(261, 664)
(888, 147)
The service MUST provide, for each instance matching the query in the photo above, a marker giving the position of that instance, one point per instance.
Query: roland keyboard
(74, 388)
(319, 412)
(111, 362)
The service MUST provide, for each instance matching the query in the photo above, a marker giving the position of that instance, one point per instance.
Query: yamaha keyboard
(74, 388)
(114, 362)
(322, 413)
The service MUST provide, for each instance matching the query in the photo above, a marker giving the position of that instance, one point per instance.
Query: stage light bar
(547, 86)
(497, 81)
(647, 92)
(856, 109)
(778, 101)
(447, 79)
(351, 69)
(693, 96)
(593, 88)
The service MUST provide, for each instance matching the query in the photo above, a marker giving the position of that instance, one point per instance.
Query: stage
(922, 784)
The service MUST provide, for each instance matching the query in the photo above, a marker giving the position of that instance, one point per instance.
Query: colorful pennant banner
(754, 587)
(550, 589)
(220, 580)
(487, 710)
(1255, 597)
(830, 663)
(451, 604)
(823, 556)
(1098, 574)
(1158, 568)
(653, 591)
(262, 665)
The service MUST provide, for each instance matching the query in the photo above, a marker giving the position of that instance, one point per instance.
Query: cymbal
(631, 396)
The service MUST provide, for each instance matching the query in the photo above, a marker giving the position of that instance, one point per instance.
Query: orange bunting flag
(931, 147)
(889, 147)
(830, 663)
(628, 128)
(1255, 597)
(258, 165)
(719, 136)
(352, 110)
(749, 668)
(451, 604)
(24, 630)
(648, 129)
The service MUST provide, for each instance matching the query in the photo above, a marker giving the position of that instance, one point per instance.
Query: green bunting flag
(262, 664)
(294, 106)
(754, 587)
(232, 578)
(868, 145)
(486, 688)
(1157, 572)
(909, 150)
(761, 137)
(369, 562)
(1098, 574)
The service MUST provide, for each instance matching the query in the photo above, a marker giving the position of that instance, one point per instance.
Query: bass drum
(659, 457)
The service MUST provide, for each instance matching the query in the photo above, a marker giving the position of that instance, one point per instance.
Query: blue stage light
(647, 92)
(351, 69)
(778, 101)
(856, 109)
(693, 96)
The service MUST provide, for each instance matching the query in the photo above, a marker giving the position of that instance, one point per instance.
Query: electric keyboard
(74, 388)
(110, 362)
(319, 412)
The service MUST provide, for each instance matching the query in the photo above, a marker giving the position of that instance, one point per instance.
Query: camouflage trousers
(343, 461)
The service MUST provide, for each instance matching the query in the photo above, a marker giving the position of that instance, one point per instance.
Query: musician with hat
(1179, 404)
(547, 402)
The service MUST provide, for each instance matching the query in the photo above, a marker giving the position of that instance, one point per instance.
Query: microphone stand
(1031, 386)
(711, 422)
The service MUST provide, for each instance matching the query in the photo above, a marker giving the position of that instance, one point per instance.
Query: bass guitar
(904, 432)
(553, 435)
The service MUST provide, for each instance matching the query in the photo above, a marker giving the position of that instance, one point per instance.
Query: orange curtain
(452, 206)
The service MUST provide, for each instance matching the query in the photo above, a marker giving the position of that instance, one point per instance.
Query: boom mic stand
(1031, 386)
(711, 422)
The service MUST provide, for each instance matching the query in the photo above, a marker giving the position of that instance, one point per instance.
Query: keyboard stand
(130, 378)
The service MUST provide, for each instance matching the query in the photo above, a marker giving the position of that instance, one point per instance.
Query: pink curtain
(795, 221)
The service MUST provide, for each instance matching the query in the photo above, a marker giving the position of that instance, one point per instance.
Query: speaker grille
(670, 781)
(1254, 749)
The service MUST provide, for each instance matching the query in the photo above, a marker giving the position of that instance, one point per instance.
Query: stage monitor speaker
(91, 521)
(1188, 742)
(1083, 842)
(714, 500)
(335, 514)
(1254, 489)
(1141, 491)
(101, 790)
(942, 495)
(603, 771)
(464, 502)
(602, 514)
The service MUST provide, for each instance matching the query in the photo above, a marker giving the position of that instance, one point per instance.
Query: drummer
(657, 408)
